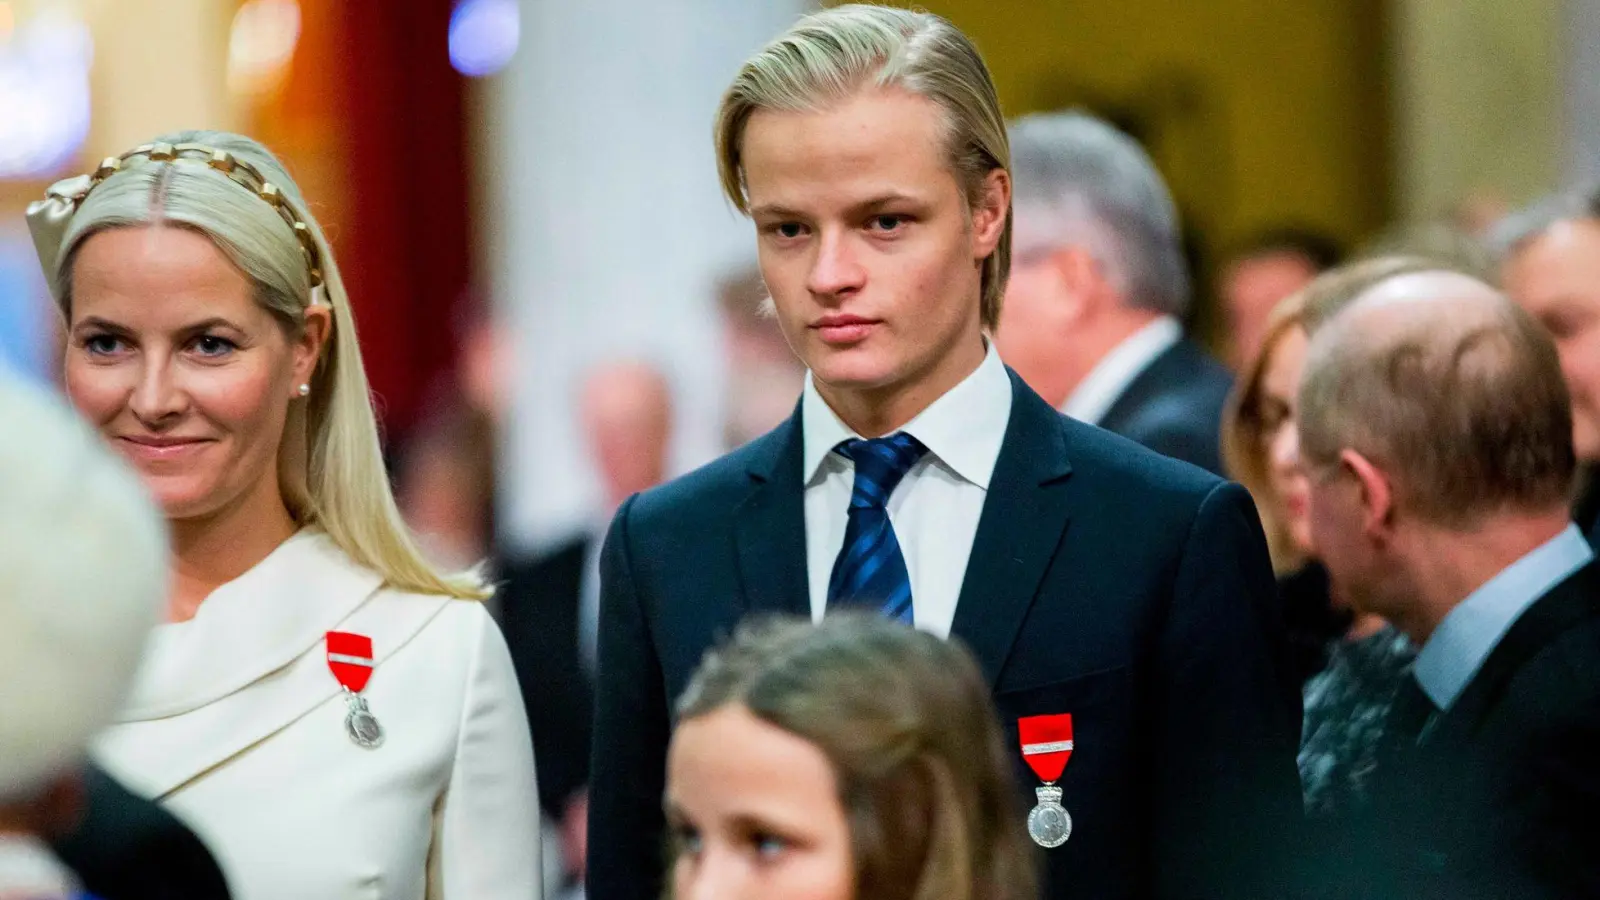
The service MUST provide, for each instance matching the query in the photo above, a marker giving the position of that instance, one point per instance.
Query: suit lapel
(1566, 605)
(1151, 380)
(1586, 512)
(770, 526)
(1024, 517)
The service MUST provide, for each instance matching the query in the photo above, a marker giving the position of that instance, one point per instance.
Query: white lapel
(251, 662)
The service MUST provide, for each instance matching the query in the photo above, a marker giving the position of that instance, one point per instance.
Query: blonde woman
(854, 760)
(334, 717)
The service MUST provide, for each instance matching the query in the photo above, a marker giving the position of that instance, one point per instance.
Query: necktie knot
(880, 465)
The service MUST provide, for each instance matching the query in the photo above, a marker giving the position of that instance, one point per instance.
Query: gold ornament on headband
(48, 218)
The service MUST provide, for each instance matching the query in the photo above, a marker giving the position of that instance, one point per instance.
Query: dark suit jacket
(1586, 511)
(539, 603)
(1174, 406)
(1499, 799)
(128, 848)
(1310, 620)
(1105, 581)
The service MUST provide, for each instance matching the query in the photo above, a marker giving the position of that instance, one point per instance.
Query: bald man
(550, 606)
(1437, 432)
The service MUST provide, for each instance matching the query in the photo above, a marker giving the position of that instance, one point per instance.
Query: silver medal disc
(1049, 824)
(361, 724)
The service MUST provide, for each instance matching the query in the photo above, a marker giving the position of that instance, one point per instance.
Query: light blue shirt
(1466, 637)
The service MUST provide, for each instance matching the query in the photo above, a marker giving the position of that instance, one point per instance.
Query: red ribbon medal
(1046, 747)
(351, 661)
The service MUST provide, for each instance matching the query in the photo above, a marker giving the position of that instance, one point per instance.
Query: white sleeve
(486, 829)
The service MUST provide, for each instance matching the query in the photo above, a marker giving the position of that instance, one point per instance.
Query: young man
(1437, 433)
(1119, 602)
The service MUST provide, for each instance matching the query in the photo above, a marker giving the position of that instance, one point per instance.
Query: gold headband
(48, 218)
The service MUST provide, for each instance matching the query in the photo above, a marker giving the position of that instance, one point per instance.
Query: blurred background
(557, 306)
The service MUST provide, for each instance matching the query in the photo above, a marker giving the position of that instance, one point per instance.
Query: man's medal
(1046, 747)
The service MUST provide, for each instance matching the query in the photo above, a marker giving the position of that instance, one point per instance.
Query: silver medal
(360, 723)
(1049, 824)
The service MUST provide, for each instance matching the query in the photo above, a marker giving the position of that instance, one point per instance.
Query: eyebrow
(195, 328)
(208, 324)
(1570, 302)
(772, 209)
(892, 198)
(748, 822)
(888, 199)
(101, 324)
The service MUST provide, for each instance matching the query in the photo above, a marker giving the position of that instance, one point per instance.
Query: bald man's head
(1450, 388)
(627, 414)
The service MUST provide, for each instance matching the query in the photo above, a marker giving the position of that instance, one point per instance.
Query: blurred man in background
(1098, 288)
(1265, 270)
(550, 606)
(764, 376)
(1435, 428)
(1550, 264)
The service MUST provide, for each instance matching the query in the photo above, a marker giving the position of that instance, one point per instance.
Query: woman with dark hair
(853, 760)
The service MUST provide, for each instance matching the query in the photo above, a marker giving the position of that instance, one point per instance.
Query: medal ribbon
(1046, 744)
(350, 659)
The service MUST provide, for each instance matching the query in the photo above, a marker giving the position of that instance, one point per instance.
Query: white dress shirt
(589, 598)
(1458, 648)
(237, 725)
(934, 509)
(1095, 394)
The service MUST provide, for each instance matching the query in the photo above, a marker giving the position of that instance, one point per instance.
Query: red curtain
(404, 242)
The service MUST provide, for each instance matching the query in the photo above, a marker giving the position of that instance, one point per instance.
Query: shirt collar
(1466, 637)
(1116, 370)
(963, 429)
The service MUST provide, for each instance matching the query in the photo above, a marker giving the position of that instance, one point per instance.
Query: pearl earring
(305, 390)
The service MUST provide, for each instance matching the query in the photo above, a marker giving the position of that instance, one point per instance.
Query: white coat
(237, 725)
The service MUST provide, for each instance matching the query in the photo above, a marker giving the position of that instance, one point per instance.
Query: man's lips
(844, 329)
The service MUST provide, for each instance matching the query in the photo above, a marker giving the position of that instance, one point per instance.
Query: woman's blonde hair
(1244, 436)
(827, 56)
(1244, 450)
(330, 462)
(906, 722)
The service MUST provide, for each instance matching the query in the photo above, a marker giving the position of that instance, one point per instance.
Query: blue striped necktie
(870, 570)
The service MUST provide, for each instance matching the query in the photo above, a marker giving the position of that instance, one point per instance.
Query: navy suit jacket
(1586, 511)
(127, 848)
(1105, 581)
(1498, 800)
(540, 602)
(1174, 406)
